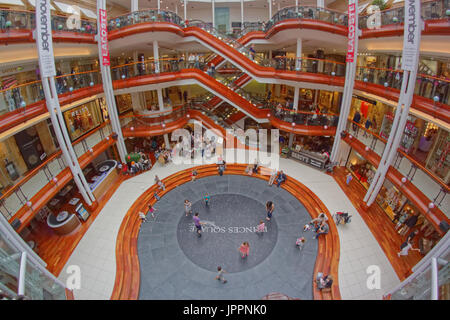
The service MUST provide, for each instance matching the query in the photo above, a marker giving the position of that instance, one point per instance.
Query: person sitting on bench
(281, 178)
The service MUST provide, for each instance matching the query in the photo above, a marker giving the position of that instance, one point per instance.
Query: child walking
(206, 199)
(220, 273)
(300, 243)
(261, 227)
(244, 249)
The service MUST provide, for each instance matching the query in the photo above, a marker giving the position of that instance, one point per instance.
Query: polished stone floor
(177, 264)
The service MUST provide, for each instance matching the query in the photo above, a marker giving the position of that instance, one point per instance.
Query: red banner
(351, 31)
(103, 32)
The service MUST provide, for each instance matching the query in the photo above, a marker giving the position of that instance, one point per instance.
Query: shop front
(82, 119)
(362, 169)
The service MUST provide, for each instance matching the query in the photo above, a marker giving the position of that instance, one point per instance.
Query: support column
(185, 9)
(176, 8)
(136, 101)
(213, 13)
(160, 99)
(270, 8)
(296, 97)
(350, 70)
(159, 5)
(48, 72)
(410, 62)
(134, 5)
(320, 4)
(298, 58)
(296, 5)
(166, 141)
(242, 14)
(156, 55)
(291, 139)
(103, 52)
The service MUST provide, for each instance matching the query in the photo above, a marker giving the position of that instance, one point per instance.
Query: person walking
(269, 208)
(206, 198)
(261, 227)
(244, 249)
(409, 223)
(405, 247)
(220, 273)
(187, 207)
(300, 243)
(151, 210)
(198, 224)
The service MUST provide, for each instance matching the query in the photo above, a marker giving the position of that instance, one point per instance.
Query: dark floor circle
(230, 219)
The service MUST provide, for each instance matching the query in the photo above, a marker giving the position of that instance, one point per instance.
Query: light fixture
(431, 205)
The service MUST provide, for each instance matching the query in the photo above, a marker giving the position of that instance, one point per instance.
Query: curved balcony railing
(22, 19)
(28, 93)
(435, 88)
(435, 9)
(146, 15)
(308, 12)
(431, 183)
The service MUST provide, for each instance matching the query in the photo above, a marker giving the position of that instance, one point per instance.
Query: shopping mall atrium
(224, 150)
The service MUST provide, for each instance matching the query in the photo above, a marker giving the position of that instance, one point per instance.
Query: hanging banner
(352, 23)
(411, 34)
(103, 32)
(44, 39)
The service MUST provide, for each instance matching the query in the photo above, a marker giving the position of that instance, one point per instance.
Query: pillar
(107, 81)
(213, 13)
(296, 97)
(270, 8)
(136, 101)
(410, 62)
(160, 99)
(166, 141)
(320, 3)
(296, 5)
(242, 14)
(350, 70)
(156, 56)
(134, 5)
(291, 139)
(48, 72)
(159, 5)
(298, 60)
(185, 9)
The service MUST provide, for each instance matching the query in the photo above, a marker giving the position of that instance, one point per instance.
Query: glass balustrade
(17, 196)
(39, 284)
(428, 182)
(25, 20)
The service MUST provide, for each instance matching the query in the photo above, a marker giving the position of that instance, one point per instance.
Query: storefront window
(438, 159)
(390, 199)
(124, 103)
(82, 119)
(363, 170)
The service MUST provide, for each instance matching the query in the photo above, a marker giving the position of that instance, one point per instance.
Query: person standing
(220, 273)
(244, 249)
(348, 178)
(269, 208)
(187, 207)
(185, 96)
(409, 223)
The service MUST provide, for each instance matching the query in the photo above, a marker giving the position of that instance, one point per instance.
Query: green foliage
(380, 3)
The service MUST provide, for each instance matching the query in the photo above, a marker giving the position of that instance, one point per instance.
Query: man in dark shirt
(357, 119)
(281, 178)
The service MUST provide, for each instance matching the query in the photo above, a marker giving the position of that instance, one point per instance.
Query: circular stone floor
(230, 220)
(176, 264)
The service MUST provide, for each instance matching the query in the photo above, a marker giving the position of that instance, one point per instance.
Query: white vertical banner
(44, 39)
(412, 29)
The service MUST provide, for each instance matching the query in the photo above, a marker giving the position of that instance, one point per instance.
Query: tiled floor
(95, 254)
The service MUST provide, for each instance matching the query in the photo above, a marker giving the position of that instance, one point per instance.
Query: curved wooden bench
(127, 281)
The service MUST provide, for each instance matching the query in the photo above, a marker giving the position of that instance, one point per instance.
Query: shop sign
(44, 39)
(104, 37)
(351, 31)
(411, 34)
